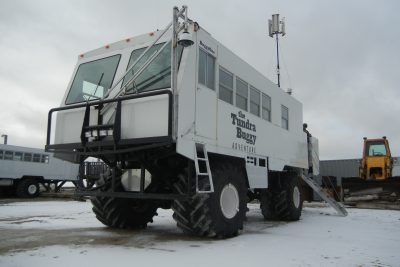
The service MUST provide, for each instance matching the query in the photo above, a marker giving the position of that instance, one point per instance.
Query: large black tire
(267, 205)
(289, 201)
(27, 188)
(123, 213)
(203, 215)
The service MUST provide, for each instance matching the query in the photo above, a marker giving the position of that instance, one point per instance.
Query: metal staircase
(204, 182)
(334, 204)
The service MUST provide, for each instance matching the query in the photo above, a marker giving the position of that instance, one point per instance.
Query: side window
(285, 118)
(1, 154)
(206, 69)
(156, 75)
(255, 101)
(266, 107)
(18, 156)
(36, 157)
(27, 157)
(8, 155)
(225, 86)
(241, 94)
(45, 159)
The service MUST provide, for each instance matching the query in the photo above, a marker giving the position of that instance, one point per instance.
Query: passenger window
(285, 118)
(27, 157)
(18, 156)
(255, 101)
(8, 155)
(225, 86)
(45, 158)
(266, 107)
(206, 69)
(1, 154)
(36, 157)
(241, 94)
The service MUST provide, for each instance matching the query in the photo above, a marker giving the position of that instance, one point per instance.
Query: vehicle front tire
(122, 213)
(219, 214)
(27, 188)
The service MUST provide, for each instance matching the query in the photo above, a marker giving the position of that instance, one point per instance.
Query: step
(340, 209)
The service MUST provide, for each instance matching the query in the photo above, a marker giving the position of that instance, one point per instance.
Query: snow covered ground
(66, 233)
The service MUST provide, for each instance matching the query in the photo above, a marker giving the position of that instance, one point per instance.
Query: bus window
(36, 157)
(18, 156)
(45, 158)
(1, 154)
(27, 156)
(8, 155)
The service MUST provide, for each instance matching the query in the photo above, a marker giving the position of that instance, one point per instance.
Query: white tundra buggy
(182, 123)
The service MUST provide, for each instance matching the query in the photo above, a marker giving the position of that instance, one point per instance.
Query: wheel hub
(32, 189)
(296, 197)
(229, 201)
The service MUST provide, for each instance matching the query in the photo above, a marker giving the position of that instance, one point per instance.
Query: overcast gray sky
(340, 57)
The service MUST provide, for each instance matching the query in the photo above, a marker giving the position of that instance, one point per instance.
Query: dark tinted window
(8, 155)
(255, 99)
(285, 118)
(225, 86)
(18, 156)
(241, 94)
(27, 156)
(266, 107)
(206, 69)
(36, 157)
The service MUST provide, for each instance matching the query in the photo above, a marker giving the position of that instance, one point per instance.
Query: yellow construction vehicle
(376, 179)
(377, 162)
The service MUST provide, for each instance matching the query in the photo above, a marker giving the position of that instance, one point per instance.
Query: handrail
(155, 54)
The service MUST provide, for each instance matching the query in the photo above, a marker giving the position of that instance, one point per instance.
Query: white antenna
(276, 27)
(5, 136)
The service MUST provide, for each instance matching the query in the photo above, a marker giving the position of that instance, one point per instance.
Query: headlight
(103, 132)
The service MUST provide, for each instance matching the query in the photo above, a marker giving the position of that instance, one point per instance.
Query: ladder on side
(334, 204)
(204, 182)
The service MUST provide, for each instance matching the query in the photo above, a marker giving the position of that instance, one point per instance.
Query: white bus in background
(23, 169)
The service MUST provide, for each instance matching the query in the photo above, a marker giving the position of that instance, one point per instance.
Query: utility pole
(276, 27)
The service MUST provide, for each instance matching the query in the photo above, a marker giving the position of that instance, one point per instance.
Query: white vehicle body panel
(200, 116)
(138, 122)
(281, 147)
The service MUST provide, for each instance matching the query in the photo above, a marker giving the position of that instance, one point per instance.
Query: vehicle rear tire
(219, 214)
(289, 201)
(267, 206)
(27, 188)
(123, 213)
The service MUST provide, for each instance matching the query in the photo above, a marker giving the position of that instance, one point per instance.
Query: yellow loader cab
(375, 171)
(377, 162)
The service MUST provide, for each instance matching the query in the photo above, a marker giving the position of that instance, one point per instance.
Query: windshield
(93, 79)
(376, 149)
(157, 74)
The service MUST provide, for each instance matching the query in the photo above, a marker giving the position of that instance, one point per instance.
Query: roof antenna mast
(276, 27)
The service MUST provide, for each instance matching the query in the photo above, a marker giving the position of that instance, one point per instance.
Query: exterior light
(103, 132)
(185, 39)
